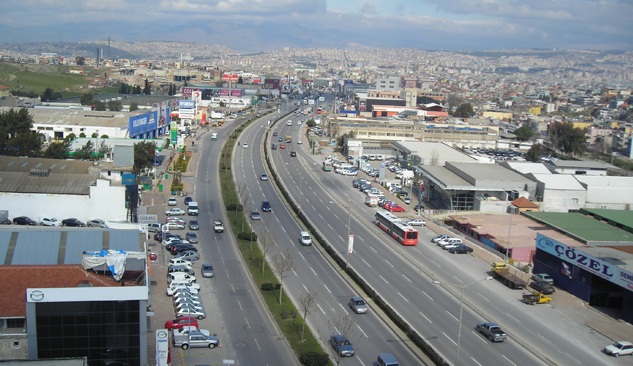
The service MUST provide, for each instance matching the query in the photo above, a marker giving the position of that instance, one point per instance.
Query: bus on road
(397, 228)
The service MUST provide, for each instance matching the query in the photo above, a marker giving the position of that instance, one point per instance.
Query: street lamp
(349, 221)
(461, 307)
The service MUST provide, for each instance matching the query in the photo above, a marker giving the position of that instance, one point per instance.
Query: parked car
(440, 237)
(396, 208)
(187, 200)
(399, 192)
(416, 222)
(180, 269)
(460, 249)
(175, 226)
(192, 237)
(179, 261)
(358, 305)
(218, 226)
(407, 200)
(50, 221)
(179, 248)
(172, 201)
(23, 220)
(181, 322)
(189, 312)
(543, 287)
(169, 241)
(342, 346)
(177, 219)
(72, 223)
(158, 237)
(175, 211)
(97, 223)
(543, 277)
(193, 225)
(207, 270)
(255, 215)
(263, 177)
(619, 349)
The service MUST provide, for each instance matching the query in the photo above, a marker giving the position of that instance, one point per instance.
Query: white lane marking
(383, 279)
(545, 339)
(458, 279)
(313, 271)
(575, 359)
(475, 361)
(509, 360)
(451, 315)
(257, 343)
(479, 336)
(321, 309)
(240, 304)
(293, 271)
(435, 263)
(407, 278)
(227, 274)
(485, 298)
(282, 228)
(342, 307)
(302, 256)
(389, 264)
(427, 319)
(328, 290)
(247, 323)
(405, 299)
(517, 320)
(427, 295)
(359, 238)
(373, 249)
(330, 226)
(321, 217)
(365, 263)
(341, 238)
(361, 329)
(449, 338)
(233, 288)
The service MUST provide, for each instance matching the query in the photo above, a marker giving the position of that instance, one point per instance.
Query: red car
(181, 322)
(282, 146)
(395, 208)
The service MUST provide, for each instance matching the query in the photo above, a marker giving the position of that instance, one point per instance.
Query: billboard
(196, 95)
(234, 92)
(161, 113)
(230, 77)
(143, 123)
(174, 133)
(128, 179)
(186, 104)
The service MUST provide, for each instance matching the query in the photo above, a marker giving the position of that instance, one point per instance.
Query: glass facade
(104, 331)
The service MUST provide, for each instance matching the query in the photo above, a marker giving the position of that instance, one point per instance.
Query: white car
(245, 145)
(172, 201)
(175, 211)
(175, 226)
(50, 221)
(179, 262)
(174, 239)
(192, 288)
(619, 349)
(440, 237)
(416, 222)
(299, 141)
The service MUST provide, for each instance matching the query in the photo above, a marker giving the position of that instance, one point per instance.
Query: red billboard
(230, 77)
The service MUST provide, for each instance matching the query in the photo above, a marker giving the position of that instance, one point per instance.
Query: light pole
(349, 221)
(461, 307)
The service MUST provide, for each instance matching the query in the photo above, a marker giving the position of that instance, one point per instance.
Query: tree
(100, 106)
(48, 95)
(16, 136)
(148, 89)
(453, 100)
(267, 241)
(85, 152)
(567, 138)
(103, 148)
(535, 153)
(133, 106)
(307, 301)
(523, 133)
(343, 325)
(58, 149)
(86, 99)
(137, 89)
(282, 264)
(464, 111)
(310, 123)
(80, 61)
(143, 156)
(114, 105)
(94, 135)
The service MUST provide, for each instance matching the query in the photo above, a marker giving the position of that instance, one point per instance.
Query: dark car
(543, 287)
(293, 153)
(171, 245)
(182, 247)
(187, 200)
(192, 237)
(158, 237)
(273, 147)
(23, 220)
(274, 133)
(73, 223)
(266, 206)
(399, 192)
(460, 249)
(342, 346)
(193, 225)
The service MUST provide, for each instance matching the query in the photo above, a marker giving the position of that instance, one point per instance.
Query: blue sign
(128, 179)
(187, 104)
(143, 123)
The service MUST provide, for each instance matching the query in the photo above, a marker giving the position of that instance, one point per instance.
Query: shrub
(231, 207)
(313, 359)
(247, 236)
(267, 286)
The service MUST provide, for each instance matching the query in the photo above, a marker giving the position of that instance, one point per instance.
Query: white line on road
(478, 335)
(342, 307)
(330, 226)
(328, 290)
(427, 295)
(517, 320)
(365, 262)
(575, 359)
(383, 279)
(485, 298)
(373, 249)
(359, 238)
(449, 338)
(293, 271)
(509, 360)
(321, 309)
(313, 271)
(405, 299)
(475, 361)
(227, 274)
(451, 315)
(233, 288)
(435, 263)
(302, 256)
(545, 339)
(282, 228)
(247, 323)
(458, 279)
(361, 329)
(427, 319)
(341, 238)
(407, 278)
(304, 286)
(389, 264)
(257, 343)
(240, 304)
(321, 217)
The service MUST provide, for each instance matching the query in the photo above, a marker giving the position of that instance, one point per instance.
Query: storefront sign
(186, 104)
(585, 261)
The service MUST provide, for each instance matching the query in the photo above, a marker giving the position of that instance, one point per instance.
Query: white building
(613, 193)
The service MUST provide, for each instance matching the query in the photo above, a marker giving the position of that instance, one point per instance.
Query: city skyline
(253, 26)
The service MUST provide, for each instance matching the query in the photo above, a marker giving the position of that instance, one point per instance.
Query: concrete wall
(562, 201)
(104, 202)
(13, 346)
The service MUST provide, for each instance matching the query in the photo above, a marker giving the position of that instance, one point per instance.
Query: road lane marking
(479, 336)
(328, 290)
(545, 339)
(449, 338)
(429, 320)
(383, 279)
(509, 360)
(485, 298)
(453, 316)
(227, 274)
(361, 329)
(313, 271)
(293, 271)
(342, 307)
(458, 279)
(233, 288)
(330, 226)
(240, 304)
(257, 343)
(517, 320)
(389, 264)
(570, 356)
(475, 361)
(282, 228)
(365, 263)
(407, 278)
(247, 323)
(427, 295)
(373, 249)
(405, 299)
(302, 256)
(321, 217)
(304, 286)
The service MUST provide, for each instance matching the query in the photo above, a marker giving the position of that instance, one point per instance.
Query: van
(214, 136)
(387, 359)
(192, 210)
(154, 227)
(304, 238)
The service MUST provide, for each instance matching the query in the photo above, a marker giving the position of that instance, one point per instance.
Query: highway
(407, 277)
(311, 270)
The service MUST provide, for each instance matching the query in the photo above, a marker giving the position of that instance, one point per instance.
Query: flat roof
(75, 117)
(487, 172)
(126, 99)
(525, 167)
(587, 164)
(585, 229)
(563, 182)
(427, 150)
(619, 218)
(445, 178)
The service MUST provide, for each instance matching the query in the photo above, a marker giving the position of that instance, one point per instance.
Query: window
(574, 200)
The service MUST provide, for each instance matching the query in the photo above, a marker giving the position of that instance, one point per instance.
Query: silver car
(358, 305)
(97, 223)
(188, 311)
(189, 255)
(207, 270)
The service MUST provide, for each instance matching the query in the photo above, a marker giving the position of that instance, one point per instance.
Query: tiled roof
(17, 278)
(523, 202)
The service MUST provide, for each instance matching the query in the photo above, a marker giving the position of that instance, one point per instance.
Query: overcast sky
(255, 25)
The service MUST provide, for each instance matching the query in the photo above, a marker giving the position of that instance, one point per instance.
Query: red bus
(319, 110)
(402, 232)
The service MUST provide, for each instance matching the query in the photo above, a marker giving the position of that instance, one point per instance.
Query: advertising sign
(161, 113)
(321, 99)
(174, 133)
(162, 347)
(585, 261)
(350, 245)
(186, 104)
(230, 77)
(311, 101)
(196, 95)
(128, 179)
(142, 123)
(147, 218)
(187, 113)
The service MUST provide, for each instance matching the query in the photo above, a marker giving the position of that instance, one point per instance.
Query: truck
(501, 271)
(288, 138)
(492, 331)
(371, 201)
(216, 115)
(194, 339)
(536, 298)
(192, 209)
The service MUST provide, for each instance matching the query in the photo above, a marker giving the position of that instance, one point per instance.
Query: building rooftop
(427, 151)
(618, 218)
(523, 202)
(79, 117)
(563, 182)
(557, 163)
(480, 175)
(525, 167)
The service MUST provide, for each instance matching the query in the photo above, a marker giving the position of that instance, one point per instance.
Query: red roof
(16, 279)
(4, 87)
(523, 202)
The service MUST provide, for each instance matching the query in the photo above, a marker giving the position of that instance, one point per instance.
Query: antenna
(109, 54)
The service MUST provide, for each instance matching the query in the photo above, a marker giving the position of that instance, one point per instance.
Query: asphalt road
(310, 271)
(406, 277)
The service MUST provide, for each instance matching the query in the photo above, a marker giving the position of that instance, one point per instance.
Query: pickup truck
(501, 271)
(492, 331)
(536, 298)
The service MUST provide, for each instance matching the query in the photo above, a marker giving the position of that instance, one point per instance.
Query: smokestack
(97, 56)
